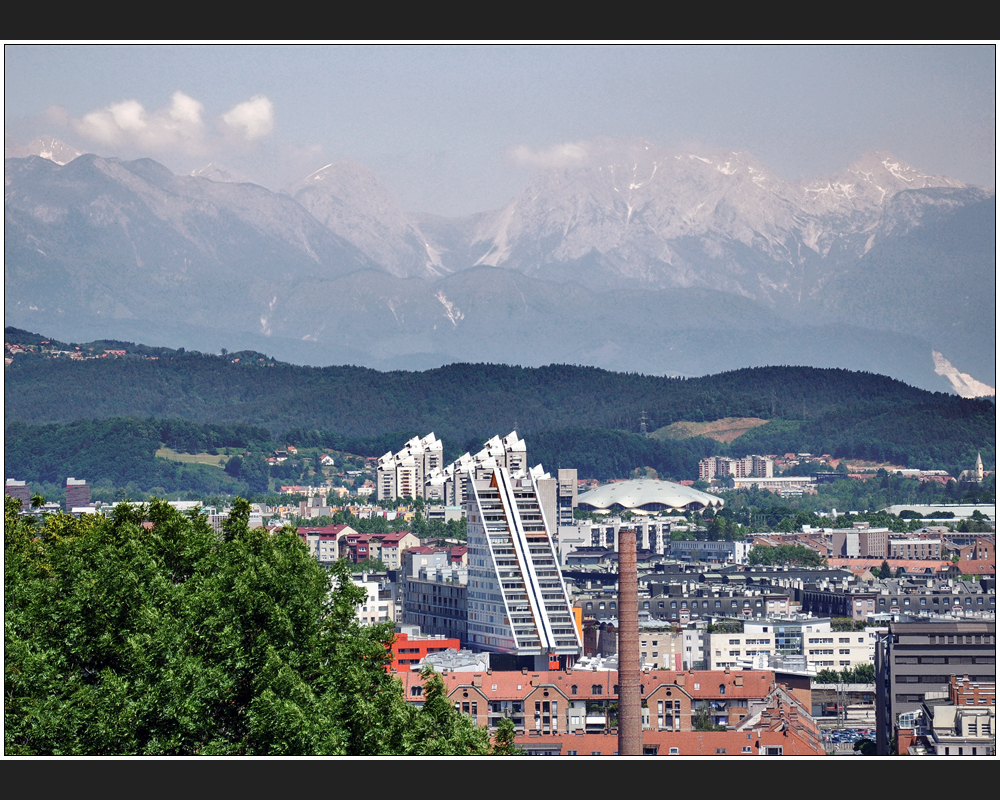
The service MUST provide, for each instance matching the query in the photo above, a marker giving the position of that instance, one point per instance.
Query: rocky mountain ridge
(751, 266)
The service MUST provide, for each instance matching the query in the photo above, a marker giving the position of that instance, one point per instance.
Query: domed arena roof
(647, 497)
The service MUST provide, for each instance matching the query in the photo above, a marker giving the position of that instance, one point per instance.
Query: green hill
(567, 413)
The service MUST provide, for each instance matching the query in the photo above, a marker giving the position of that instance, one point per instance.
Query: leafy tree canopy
(121, 639)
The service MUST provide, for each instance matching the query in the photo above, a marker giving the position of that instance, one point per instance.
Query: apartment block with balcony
(518, 602)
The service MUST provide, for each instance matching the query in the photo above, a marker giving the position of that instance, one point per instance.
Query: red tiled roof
(977, 567)
(699, 684)
(324, 529)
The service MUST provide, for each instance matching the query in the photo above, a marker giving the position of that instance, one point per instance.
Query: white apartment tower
(748, 467)
(517, 601)
(403, 474)
(449, 484)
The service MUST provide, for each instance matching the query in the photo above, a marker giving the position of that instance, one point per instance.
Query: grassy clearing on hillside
(722, 430)
(191, 458)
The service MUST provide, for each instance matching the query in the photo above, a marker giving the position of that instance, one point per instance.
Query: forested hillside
(579, 417)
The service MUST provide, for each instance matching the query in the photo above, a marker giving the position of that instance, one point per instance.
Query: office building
(915, 658)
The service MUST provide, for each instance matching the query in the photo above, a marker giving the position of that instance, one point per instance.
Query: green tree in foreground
(866, 747)
(439, 729)
(175, 640)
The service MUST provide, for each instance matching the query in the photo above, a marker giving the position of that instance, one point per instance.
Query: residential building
(19, 490)
(403, 474)
(861, 541)
(651, 533)
(718, 552)
(738, 650)
(906, 596)
(913, 547)
(562, 707)
(450, 484)
(77, 494)
(436, 600)
(324, 541)
(518, 603)
(568, 484)
(961, 722)
(392, 547)
(748, 467)
(379, 605)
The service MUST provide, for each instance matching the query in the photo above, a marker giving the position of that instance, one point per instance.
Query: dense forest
(106, 417)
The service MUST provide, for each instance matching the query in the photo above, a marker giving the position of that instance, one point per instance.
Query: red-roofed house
(393, 545)
(324, 541)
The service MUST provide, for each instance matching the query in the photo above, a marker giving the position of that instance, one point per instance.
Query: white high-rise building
(449, 484)
(517, 601)
(403, 474)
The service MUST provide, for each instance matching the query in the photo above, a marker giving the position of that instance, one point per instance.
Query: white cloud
(558, 155)
(178, 127)
(100, 126)
(186, 109)
(255, 117)
(129, 116)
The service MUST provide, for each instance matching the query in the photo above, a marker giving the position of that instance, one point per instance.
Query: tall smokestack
(629, 669)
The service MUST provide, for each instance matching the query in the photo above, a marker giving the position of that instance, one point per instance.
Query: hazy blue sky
(456, 129)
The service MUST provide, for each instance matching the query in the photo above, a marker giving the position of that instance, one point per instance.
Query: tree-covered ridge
(121, 640)
(573, 416)
(456, 399)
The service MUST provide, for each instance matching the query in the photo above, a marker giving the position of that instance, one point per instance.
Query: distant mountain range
(633, 258)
